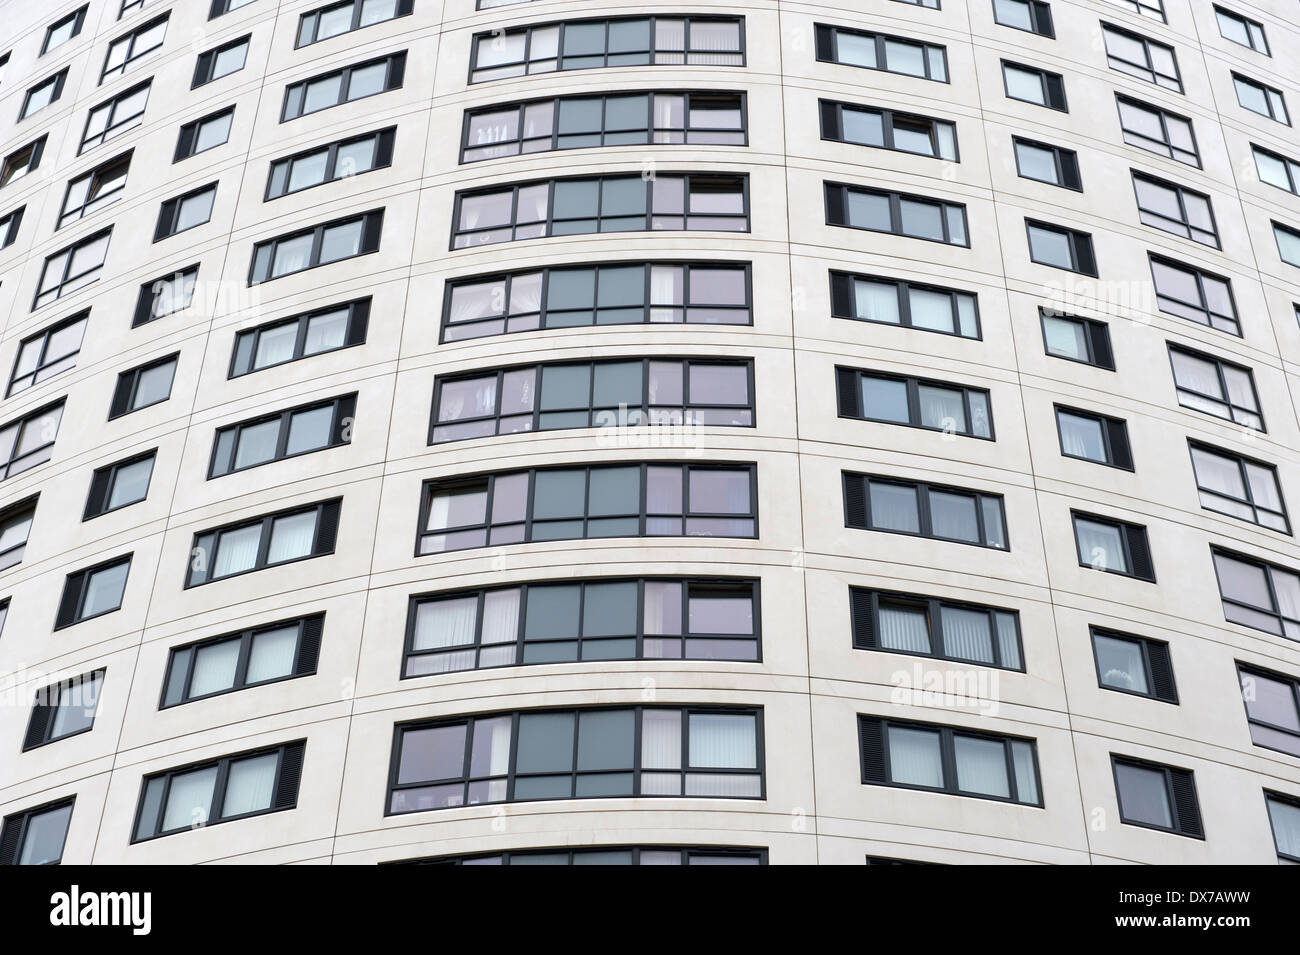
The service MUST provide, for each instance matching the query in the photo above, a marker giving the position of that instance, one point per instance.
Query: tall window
(1272, 708)
(577, 754)
(283, 537)
(887, 129)
(1155, 796)
(877, 51)
(47, 353)
(1238, 486)
(306, 249)
(714, 293)
(283, 434)
(898, 213)
(915, 402)
(877, 503)
(1113, 546)
(571, 621)
(64, 709)
(931, 308)
(335, 19)
(1142, 57)
(36, 836)
(72, 268)
(1132, 664)
(29, 441)
(93, 592)
(933, 627)
(1284, 816)
(1257, 594)
(343, 86)
(1158, 131)
(300, 336)
(115, 116)
(1216, 387)
(951, 759)
(263, 654)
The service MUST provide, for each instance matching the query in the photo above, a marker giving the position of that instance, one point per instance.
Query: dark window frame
(842, 293)
(1226, 399)
(1241, 460)
(1246, 23)
(188, 138)
(358, 321)
(1181, 193)
(1271, 797)
(72, 602)
(1083, 259)
(44, 336)
(1164, 115)
(1149, 66)
(22, 422)
(1275, 611)
(56, 80)
(1134, 543)
(867, 600)
(151, 293)
(1264, 88)
(1203, 306)
(206, 62)
(756, 855)
(836, 196)
(1177, 807)
(10, 223)
(343, 408)
(383, 158)
(131, 36)
(70, 250)
(40, 724)
(76, 17)
(101, 488)
(306, 656)
(372, 224)
(1289, 166)
(28, 156)
(1245, 670)
(1116, 447)
(1049, 83)
(1040, 18)
(169, 212)
(126, 390)
(96, 176)
(1096, 339)
(208, 542)
(394, 77)
(849, 406)
(111, 104)
(1161, 686)
(17, 825)
(1066, 161)
(11, 515)
(832, 128)
(402, 8)
(925, 522)
(827, 50)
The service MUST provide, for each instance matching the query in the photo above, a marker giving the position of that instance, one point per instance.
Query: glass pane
(609, 609)
(291, 537)
(189, 800)
(309, 430)
(250, 785)
(914, 758)
(1065, 338)
(273, 654)
(130, 483)
(430, 754)
(1100, 545)
(893, 508)
(876, 301)
(545, 743)
(981, 766)
(1119, 662)
(904, 628)
(214, 668)
(885, 399)
(1143, 795)
(722, 741)
(104, 591)
(43, 840)
(606, 740)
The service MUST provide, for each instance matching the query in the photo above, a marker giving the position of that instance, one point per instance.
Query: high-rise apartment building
(769, 432)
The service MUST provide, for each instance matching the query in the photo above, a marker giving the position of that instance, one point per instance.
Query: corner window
(930, 308)
(1134, 665)
(235, 661)
(914, 402)
(1078, 339)
(36, 836)
(887, 129)
(335, 19)
(1158, 131)
(1155, 796)
(331, 162)
(343, 86)
(897, 213)
(143, 386)
(1093, 437)
(119, 484)
(1032, 85)
(221, 61)
(878, 503)
(165, 295)
(115, 116)
(301, 336)
(29, 441)
(285, 434)
(1060, 247)
(321, 245)
(1272, 708)
(93, 592)
(279, 538)
(64, 709)
(1238, 486)
(931, 627)
(1141, 57)
(203, 134)
(1113, 546)
(877, 51)
(1054, 165)
(48, 353)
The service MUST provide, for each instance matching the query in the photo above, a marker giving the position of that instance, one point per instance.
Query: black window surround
(1051, 86)
(83, 597)
(115, 116)
(1284, 811)
(341, 159)
(141, 387)
(134, 45)
(1272, 703)
(1141, 57)
(72, 268)
(1241, 30)
(907, 214)
(257, 543)
(165, 295)
(877, 127)
(1145, 670)
(1179, 789)
(574, 621)
(927, 404)
(630, 118)
(1256, 593)
(219, 7)
(1152, 9)
(1108, 445)
(95, 189)
(936, 628)
(1210, 302)
(280, 435)
(1176, 136)
(219, 61)
(237, 657)
(882, 300)
(64, 29)
(198, 136)
(112, 486)
(1234, 385)
(605, 855)
(15, 531)
(337, 19)
(669, 201)
(1126, 554)
(1252, 492)
(639, 758)
(186, 211)
(156, 792)
(629, 499)
(10, 223)
(283, 340)
(1064, 163)
(616, 392)
(1288, 242)
(1078, 252)
(875, 743)
(42, 94)
(51, 351)
(1261, 98)
(879, 51)
(20, 829)
(64, 709)
(908, 508)
(22, 160)
(23, 451)
(1032, 16)
(347, 85)
(307, 248)
(1195, 214)
(1092, 343)
(607, 43)
(601, 293)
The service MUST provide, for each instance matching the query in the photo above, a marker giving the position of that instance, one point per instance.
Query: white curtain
(894, 507)
(722, 741)
(214, 668)
(273, 654)
(942, 408)
(323, 332)
(1099, 544)
(661, 739)
(1022, 759)
(1008, 640)
(1121, 663)
(1142, 795)
(445, 623)
(966, 634)
(904, 628)
(236, 550)
(953, 516)
(190, 799)
(250, 785)
(663, 607)
(981, 766)
(876, 301)
(914, 757)
(666, 285)
(1286, 826)
(490, 748)
(501, 616)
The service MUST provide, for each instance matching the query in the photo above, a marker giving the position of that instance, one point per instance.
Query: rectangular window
(1136, 665)
(328, 242)
(1033, 16)
(1284, 815)
(62, 30)
(1260, 98)
(92, 191)
(615, 500)
(931, 4)
(612, 119)
(165, 295)
(301, 336)
(1288, 243)
(1258, 594)
(1238, 486)
(1155, 796)
(335, 19)
(1060, 247)
(1272, 709)
(1243, 30)
(914, 402)
(203, 134)
(22, 161)
(714, 293)
(930, 627)
(15, 530)
(220, 61)
(115, 116)
(1142, 57)
(604, 855)
(333, 161)
(1276, 169)
(225, 6)
(533, 210)
(47, 353)
(1194, 294)
(280, 538)
(72, 268)
(577, 754)
(1216, 387)
(36, 836)
(29, 441)
(887, 129)
(142, 386)
(597, 44)
(93, 592)
(1045, 163)
(9, 224)
(614, 393)
(43, 93)
(930, 308)
(284, 434)
(1078, 339)
(133, 46)
(343, 86)
(235, 661)
(192, 209)
(1112, 546)
(877, 51)
(948, 759)
(1032, 85)
(234, 787)
(897, 213)
(1175, 209)
(64, 709)
(119, 484)
(605, 619)
(1093, 437)
(128, 6)
(1158, 131)
(1148, 8)
(878, 503)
